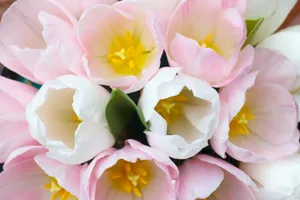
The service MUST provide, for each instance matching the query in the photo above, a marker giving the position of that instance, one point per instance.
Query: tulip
(47, 46)
(274, 13)
(14, 132)
(183, 113)
(206, 177)
(67, 116)
(205, 38)
(133, 172)
(287, 42)
(258, 120)
(279, 180)
(122, 45)
(29, 174)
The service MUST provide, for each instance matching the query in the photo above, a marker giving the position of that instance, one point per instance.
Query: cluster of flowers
(59, 142)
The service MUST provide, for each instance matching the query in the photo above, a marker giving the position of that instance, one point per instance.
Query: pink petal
(22, 93)
(242, 67)
(23, 154)
(240, 175)
(260, 150)
(220, 137)
(68, 176)
(235, 93)
(230, 34)
(275, 113)
(233, 189)
(238, 4)
(196, 61)
(24, 180)
(198, 179)
(274, 68)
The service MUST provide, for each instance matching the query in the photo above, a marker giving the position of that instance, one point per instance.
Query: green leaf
(119, 111)
(252, 27)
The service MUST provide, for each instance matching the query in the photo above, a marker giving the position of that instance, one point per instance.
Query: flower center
(208, 43)
(238, 125)
(127, 55)
(58, 192)
(130, 177)
(171, 108)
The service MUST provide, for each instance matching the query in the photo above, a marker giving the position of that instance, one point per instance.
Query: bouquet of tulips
(149, 100)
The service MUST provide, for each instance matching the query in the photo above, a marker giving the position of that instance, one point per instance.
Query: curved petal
(203, 63)
(283, 70)
(273, 106)
(23, 154)
(26, 180)
(198, 179)
(270, 25)
(68, 176)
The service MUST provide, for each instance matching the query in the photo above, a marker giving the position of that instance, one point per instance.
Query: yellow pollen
(127, 55)
(208, 43)
(238, 125)
(59, 193)
(130, 177)
(171, 108)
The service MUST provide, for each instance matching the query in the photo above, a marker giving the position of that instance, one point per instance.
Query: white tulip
(67, 116)
(274, 13)
(183, 113)
(278, 180)
(287, 42)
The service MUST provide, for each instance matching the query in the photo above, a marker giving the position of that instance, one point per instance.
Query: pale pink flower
(14, 132)
(28, 174)
(133, 172)
(122, 45)
(183, 112)
(258, 120)
(67, 115)
(205, 38)
(38, 38)
(206, 177)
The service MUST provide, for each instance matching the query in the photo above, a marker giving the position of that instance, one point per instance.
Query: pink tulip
(205, 38)
(206, 177)
(38, 38)
(122, 45)
(28, 174)
(134, 172)
(258, 120)
(14, 132)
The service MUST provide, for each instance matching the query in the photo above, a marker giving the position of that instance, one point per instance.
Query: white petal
(270, 25)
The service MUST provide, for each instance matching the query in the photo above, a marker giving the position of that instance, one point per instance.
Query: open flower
(183, 113)
(29, 174)
(133, 172)
(258, 120)
(14, 132)
(279, 180)
(68, 116)
(206, 177)
(205, 37)
(123, 47)
(48, 46)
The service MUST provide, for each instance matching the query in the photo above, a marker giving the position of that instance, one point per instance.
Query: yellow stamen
(127, 55)
(238, 125)
(59, 193)
(171, 108)
(209, 43)
(76, 118)
(130, 177)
